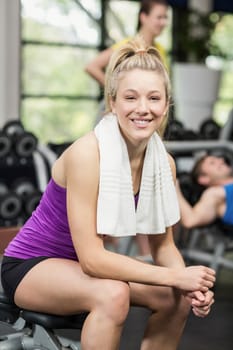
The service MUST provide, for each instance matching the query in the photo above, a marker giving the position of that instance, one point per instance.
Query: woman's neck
(147, 37)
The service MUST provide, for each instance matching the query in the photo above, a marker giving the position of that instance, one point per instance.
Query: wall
(9, 60)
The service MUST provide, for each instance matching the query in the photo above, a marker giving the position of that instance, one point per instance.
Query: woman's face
(140, 104)
(156, 20)
(214, 169)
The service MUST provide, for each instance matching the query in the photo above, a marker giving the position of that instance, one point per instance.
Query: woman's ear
(166, 109)
(142, 18)
(112, 105)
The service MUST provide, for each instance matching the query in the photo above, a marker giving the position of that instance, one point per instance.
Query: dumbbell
(24, 143)
(3, 188)
(24, 188)
(209, 130)
(10, 203)
(5, 144)
(174, 131)
(13, 128)
(189, 135)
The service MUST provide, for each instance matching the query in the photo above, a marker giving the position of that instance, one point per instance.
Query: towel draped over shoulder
(157, 206)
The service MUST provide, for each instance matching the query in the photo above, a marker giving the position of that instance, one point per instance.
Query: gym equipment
(30, 196)
(193, 147)
(209, 245)
(10, 206)
(226, 132)
(209, 130)
(13, 128)
(189, 134)
(31, 200)
(5, 144)
(28, 330)
(26, 179)
(174, 130)
(25, 170)
(24, 143)
(3, 188)
(23, 186)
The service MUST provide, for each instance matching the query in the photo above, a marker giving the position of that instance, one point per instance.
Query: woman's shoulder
(84, 147)
(80, 154)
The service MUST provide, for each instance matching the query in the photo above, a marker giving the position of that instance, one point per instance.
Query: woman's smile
(141, 123)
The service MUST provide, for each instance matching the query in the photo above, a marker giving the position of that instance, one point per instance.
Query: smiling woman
(115, 181)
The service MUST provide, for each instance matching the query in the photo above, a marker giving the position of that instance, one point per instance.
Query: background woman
(152, 19)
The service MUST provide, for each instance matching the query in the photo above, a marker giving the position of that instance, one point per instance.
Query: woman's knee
(115, 300)
(182, 305)
(171, 302)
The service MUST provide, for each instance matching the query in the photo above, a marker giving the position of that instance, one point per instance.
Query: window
(59, 100)
(222, 39)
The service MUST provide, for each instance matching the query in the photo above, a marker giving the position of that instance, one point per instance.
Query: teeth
(142, 122)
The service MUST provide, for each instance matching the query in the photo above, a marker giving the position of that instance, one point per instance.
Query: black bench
(36, 330)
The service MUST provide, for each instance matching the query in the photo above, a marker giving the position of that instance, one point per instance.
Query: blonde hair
(134, 55)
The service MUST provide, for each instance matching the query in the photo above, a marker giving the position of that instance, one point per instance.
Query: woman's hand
(201, 302)
(195, 278)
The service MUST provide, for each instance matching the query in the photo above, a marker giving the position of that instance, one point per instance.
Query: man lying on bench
(216, 201)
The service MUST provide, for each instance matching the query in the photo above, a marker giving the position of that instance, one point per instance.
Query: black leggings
(13, 270)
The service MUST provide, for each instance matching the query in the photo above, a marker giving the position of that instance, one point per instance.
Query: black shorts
(13, 270)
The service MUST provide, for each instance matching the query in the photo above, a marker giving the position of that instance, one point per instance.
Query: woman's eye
(155, 98)
(130, 97)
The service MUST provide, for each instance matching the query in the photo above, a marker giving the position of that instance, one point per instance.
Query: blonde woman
(117, 180)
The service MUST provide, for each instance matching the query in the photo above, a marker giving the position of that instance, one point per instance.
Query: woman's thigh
(60, 286)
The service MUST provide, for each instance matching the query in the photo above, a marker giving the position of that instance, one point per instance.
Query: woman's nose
(142, 107)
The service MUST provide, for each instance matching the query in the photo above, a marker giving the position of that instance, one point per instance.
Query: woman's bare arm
(96, 68)
(204, 211)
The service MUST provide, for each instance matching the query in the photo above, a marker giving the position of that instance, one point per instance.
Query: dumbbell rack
(25, 171)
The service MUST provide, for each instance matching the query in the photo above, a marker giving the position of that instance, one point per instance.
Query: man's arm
(204, 211)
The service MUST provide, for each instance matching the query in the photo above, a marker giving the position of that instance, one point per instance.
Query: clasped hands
(200, 302)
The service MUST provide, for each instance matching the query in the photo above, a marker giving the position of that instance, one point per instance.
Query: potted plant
(195, 85)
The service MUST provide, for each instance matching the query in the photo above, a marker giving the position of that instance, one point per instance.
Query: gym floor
(213, 332)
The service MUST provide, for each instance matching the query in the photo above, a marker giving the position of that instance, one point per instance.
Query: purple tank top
(46, 232)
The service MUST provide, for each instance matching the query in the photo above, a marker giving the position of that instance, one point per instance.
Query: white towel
(157, 206)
